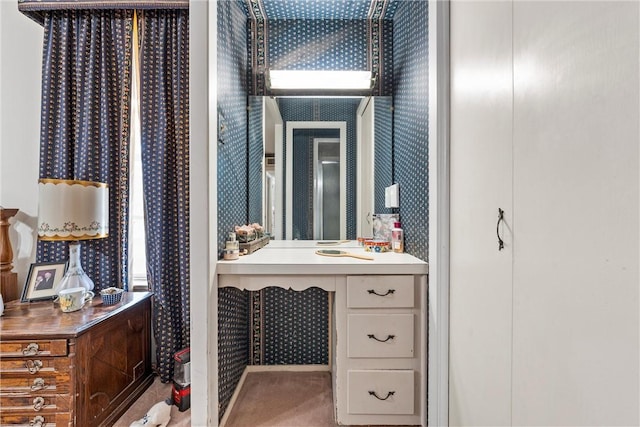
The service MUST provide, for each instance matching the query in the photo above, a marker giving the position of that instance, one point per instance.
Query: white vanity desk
(379, 337)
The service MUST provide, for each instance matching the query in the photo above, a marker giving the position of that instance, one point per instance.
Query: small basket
(111, 298)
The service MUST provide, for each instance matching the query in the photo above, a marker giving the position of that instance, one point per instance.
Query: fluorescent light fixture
(320, 79)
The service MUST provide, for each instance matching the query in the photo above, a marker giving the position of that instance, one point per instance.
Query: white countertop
(294, 258)
(296, 244)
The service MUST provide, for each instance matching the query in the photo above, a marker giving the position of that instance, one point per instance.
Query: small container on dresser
(73, 369)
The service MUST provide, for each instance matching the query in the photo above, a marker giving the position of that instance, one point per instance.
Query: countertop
(298, 257)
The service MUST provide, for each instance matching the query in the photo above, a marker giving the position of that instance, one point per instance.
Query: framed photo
(42, 281)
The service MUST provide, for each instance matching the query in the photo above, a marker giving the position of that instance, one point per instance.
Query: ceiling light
(319, 79)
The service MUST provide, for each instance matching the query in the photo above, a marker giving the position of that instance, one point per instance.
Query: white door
(576, 195)
(481, 182)
(546, 331)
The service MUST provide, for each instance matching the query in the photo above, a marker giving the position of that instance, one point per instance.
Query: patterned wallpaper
(314, 9)
(410, 138)
(233, 342)
(318, 45)
(383, 161)
(233, 305)
(296, 330)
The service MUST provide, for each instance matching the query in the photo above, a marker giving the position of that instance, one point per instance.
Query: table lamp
(73, 210)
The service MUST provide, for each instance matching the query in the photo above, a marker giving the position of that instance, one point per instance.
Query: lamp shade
(72, 210)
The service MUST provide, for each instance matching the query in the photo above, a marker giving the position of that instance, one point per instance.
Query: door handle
(500, 218)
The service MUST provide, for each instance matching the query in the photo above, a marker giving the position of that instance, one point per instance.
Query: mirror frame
(291, 126)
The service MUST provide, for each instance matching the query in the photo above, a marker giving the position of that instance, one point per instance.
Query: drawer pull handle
(33, 366)
(389, 292)
(38, 403)
(373, 393)
(37, 421)
(38, 384)
(373, 337)
(31, 350)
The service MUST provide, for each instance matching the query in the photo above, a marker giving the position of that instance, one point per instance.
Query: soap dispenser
(397, 238)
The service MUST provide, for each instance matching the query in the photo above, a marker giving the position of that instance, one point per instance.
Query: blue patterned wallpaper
(383, 160)
(314, 9)
(232, 106)
(233, 305)
(411, 110)
(318, 45)
(233, 342)
(296, 330)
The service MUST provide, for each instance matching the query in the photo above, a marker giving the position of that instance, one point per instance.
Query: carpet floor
(157, 392)
(284, 399)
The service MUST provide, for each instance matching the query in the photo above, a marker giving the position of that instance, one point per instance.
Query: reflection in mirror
(326, 188)
(305, 221)
(366, 162)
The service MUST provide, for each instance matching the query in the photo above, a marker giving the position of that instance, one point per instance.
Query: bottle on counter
(397, 238)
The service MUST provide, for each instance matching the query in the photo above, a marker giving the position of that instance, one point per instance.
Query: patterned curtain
(84, 130)
(164, 98)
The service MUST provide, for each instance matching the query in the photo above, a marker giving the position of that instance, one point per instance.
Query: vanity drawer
(380, 291)
(380, 335)
(381, 392)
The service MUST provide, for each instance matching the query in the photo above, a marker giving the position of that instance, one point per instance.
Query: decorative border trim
(259, 51)
(375, 54)
(73, 182)
(32, 5)
(34, 9)
(256, 336)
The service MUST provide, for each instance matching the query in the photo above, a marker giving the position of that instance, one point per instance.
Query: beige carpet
(157, 392)
(284, 399)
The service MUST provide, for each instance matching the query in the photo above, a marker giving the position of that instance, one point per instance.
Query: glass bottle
(75, 276)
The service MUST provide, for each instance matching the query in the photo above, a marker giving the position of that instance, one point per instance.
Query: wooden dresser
(73, 369)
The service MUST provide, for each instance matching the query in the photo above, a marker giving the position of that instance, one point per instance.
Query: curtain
(164, 119)
(84, 131)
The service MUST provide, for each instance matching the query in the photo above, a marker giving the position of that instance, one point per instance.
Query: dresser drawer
(36, 403)
(380, 291)
(34, 366)
(380, 335)
(380, 392)
(37, 420)
(49, 383)
(22, 348)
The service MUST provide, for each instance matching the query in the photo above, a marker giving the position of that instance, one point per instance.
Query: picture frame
(42, 281)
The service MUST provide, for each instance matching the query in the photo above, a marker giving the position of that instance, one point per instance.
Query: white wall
(20, 70)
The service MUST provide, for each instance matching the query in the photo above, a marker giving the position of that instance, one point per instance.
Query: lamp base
(75, 276)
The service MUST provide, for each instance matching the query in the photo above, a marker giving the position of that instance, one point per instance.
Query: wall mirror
(319, 159)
